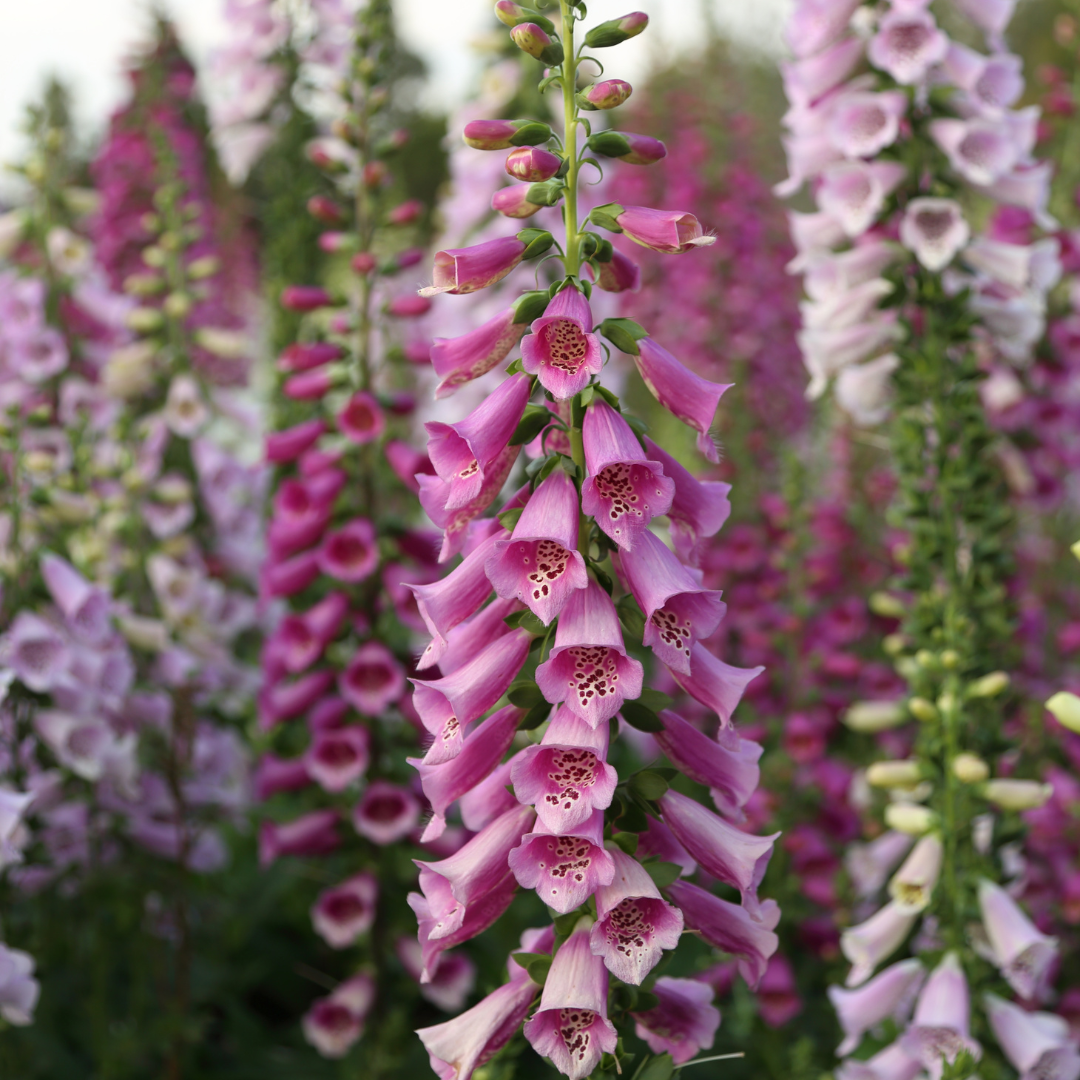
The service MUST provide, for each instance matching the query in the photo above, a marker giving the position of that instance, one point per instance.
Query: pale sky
(85, 41)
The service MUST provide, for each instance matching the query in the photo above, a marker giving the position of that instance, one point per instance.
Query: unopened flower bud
(871, 716)
(989, 685)
(970, 768)
(894, 774)
(510, 14)
(616, 31)
(304, 297)
(374, 173)
(627, 146)
(363, 262)
(144, 320)
(143, 284)
(405, 213)
(909, 818)
(513, 201)
(950, 659)
(533, 39)
(1075, 549)
(946, 702)
(532, 164)
(149, 634)
(886, 605)
(82, 201)
(330, 155)
(609, 94)
(925, 658)
(923, 710)
(229, 344)
(325, 209)
(1066, 710)
(1017, 794)
(894, 644)
(203, 267)
(333, 242)
(503, 134)
(177, 305)
(154, 256)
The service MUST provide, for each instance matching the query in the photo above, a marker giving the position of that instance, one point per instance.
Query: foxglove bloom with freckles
(561, 350)
(1022, 953)
(466, 270)
(683, 1022)
(343, 913)
(634, 923)
(540, 564)
(623, 490)
(459, 360)
(588, 667)
(940, 1028)
(1039, 1045)
(912, 885)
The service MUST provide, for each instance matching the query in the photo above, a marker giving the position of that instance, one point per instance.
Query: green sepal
(605, 250)
(553, 55)
(509, 518)
(604, 216)
(547, 193)
(531, 305)
(641, 717)
(649, 784)
(536, 964)
(606, 34)
(531, 133)
(515, 367)
(657, 1068)
(631, 817)
(631, 616)
(663, 873)
(524, 693)
(543, 84)
(624, 334)
(564, 924)
(603, 577)
(585, 103)
(639, 428)
(611, 398)
(533, 421)
(656, 700)
(526, 620)
(536, 242)
(612, 144)
(538, 713)
(626, 841)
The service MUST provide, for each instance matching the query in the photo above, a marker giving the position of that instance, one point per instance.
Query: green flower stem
(572, 259)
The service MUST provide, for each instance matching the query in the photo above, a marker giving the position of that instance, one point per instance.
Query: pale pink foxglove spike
(992, 83)
(869, 865)
(564, 870)
(567, 776)
(466, 270)
(831, 275)
(489, 798)
(863, 123)
(912, 885)
(1039, 1045)
(687, 396)
(891, 993)
(562, 351)
(623, 490)
(372, 680)
(343, 913)
(857, 308)
(481, 752)
(983, 151)
(854, 192)
(865, 391)
(875, 940)
(447, 705)
(814, 237)
(698, 510)
(386, 813)
(827, 352)
(684, 1021)
(540, 564)
(810, 78)
(459, 360)
(434, 493)
(339, 757)
(462, 452)
(669, 231)
(634, 923)
(718, 686)
(588, 667)
(907, 45)
(457, 1048)
(728, 765)
(940, 1028)
(730, 928)
(85, 607)
(892, 1063)
(620, 274)
(475, 634)
(816, 24)
(571, 1026)
(450, 886)
(729, 854)
(1022, 953)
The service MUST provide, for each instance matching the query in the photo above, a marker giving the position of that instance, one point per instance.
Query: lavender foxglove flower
(1037, 1044)
(684, 1022)
(1021, 952)
(875, 940)
(891, 993)
(940, 1028)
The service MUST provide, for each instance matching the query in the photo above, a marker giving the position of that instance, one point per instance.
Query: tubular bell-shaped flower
(459, 360)
(561, 349)
(683, 1022)
(1021, 952)
(940, 1028)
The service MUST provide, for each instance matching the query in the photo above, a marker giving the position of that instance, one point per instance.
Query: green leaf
(654, 699)
(515, 367)
(605, 216)
(649, 784)
(603, 577)
(536, 964)
(611, 398)
(524, 693)
(631, 817)
(641, 717)
(564, 924)
(509, 518)
(530, 305)
(526, 620)
(537, 714)
(627, 841)
(533, 421)
(624, 334)
(549, 466)
(663, 873)
(657, 1068)
(631, 616)
(646, 1000)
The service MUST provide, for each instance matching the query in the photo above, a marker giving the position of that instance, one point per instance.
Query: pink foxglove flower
(865, 391)
(869, 865)
(453, 979)
(912, 885)
(310, 834)
(475, 634)
(350, 553)
(571, 1025)
(854, 192)
(687, 396)
(623, 490)
(875, 940)
(985, 151)
(634, 923)
(994, 83)
(678, 609)
(1037, 1044)
(1021, 952)
(809, 79)
(300, 640)
(288, 445)
(670, 231)
(907, 45)
(862, 123)
(940, 1028)
(620, 274)
(459, 360)
(683, 1022)
(889, 994)
(892, 1063)
(816, 24)
(730, 928)
(513, 201)
(461, 452)
(362, 420)
(85, 607)
(778, 995)
(343, 913)
(588, 667)
(372, 680)
(718, 686)
(489, 798)
(286, 700)
(386, 813)
(19, 990)
(562, 351)
(334, 1023)
(339, 757)
(540, 564)
(566, 777)
(466, 270)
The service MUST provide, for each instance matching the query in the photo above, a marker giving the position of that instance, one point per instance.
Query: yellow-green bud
(177, 305)
(886, 605)
(894, 774)
(908, 668)
(143, 320)
(970, 768)
(1075, 549)
(38, 461)
(204, 267)
(909, 818)
(894, 644)
(81, 201)
(1017, 794)
(947, 702)
(169, 240)
(950, 659)
(872, 716)
(1066, 710)
(923, 710)
(989, 685)
(143, 284)
(925, 658)
(154, 256)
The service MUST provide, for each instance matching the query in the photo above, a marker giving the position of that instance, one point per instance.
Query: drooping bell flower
(288, 445)
(861, 124)
(386, 813)
(564, 870)
(350, 553)
(286, 700)
(912, 885)
(475, 634)
(875, 940)
(805, 81)
(634, 923)
(619, 274)
(854, 192)
(778, 995)
(892, 1063)
(85, 607)
(461, 452)
(687, 396)
(683, 1022)
(301, 517)
(727, 765)
(718, 686)
(730, 928)
(678, 609)
(274, 774)
(362, 420)
(310, 834)
(36, 652)
(372, 680)
(334, 1023)
(1022, 953)
(869, 865)
(935, 230)
(447, 705)
(566, 777)
(940, 1028)
(301, 638)
(540, 564)
(907, 45)
(670, 231)
(346, 911)
(623, 490)
(481, 752)
(459, 360)
(19, 990)
(571, 1025)
(729, 854)
(290, 576)
(466, 270)
(1037, 1044)
(816, 24)
(452, 981)
(982, 150)
(588, 667)
(339, 757)
(892, 993)
(562, 351)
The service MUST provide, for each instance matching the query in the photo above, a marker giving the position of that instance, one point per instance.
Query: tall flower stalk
(586, 594)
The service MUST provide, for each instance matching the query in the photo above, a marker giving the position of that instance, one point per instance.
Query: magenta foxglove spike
(489, 798)
(571, 1026)
(466, 270)
(875, 940)
(562, 350)
(671, 231)
(459, 360)
(373, 679)
(678, 609)
(480, 754)
(462, 452)
(727, 765)
(729, 928)
(1022, 953)
(699, 508)
(588, 667)
(941, 1026)
(684, 1021)
(447, 705)
(85, 607)
(343, 913)
(567, 776)
(1037, 1044)
(540, 564)
(623, 491)
(720, 849)
(310, 834)
(620, 274)
(687, 396)
(892, 993)
(634, 923)
(564, 870)
(475, 634)
(386, 813)
(718, 686)
(339, 757)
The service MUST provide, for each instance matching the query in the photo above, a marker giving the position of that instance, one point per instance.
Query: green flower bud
(923, 710)
(989, 685)
(616, 31)
(1066, 710)
(872, 716)
(893, 774)
(970, 768)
